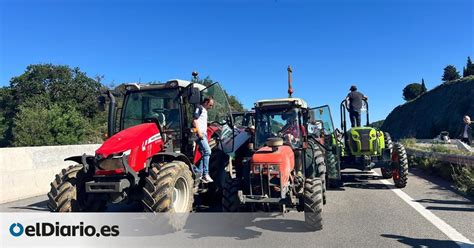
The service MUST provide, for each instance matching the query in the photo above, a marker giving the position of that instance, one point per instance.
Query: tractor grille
(364, 139)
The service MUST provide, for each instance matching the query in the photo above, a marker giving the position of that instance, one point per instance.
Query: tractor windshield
(152, 105)
(285, 124)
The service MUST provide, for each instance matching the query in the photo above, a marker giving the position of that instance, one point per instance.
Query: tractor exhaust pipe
(290, 82)
(111, 120)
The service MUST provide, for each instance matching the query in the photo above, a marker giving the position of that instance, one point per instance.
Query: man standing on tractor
(355, 99)
(200, 124)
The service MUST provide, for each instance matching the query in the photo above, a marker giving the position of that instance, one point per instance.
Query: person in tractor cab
(290, 131)
(355, 99)
(200, 125)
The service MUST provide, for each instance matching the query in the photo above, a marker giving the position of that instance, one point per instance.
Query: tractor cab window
(161, 106)
(279, 123)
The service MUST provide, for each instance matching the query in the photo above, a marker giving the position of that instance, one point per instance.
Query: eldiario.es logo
(46, 229)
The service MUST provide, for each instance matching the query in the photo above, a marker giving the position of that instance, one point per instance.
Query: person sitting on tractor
(290, 131)
(355, 99)
(200, 125)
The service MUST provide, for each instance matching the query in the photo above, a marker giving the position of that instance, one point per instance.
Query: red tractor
(286, 169)
(152, 158)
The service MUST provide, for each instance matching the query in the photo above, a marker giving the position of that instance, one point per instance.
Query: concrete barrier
(28, 171)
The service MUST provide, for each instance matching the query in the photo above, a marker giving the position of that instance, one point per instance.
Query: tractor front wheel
(68, 194)
(386, 172)
(169, 189)
(399, 166)
(230, 194)
(313, 203)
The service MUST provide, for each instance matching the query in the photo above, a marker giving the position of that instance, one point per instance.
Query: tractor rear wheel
(68, 194)
(313, 203)
(169, 189)
(230, 194)
(386, 172)
(400, 165)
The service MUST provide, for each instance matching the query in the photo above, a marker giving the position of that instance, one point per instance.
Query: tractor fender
(85, 160)
(81, 158)
(168, 156)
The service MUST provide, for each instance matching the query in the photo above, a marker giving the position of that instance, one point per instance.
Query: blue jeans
(205, 150)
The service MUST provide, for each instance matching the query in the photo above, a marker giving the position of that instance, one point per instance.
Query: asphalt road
(366, 212)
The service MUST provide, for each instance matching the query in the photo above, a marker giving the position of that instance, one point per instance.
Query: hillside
(440, 109)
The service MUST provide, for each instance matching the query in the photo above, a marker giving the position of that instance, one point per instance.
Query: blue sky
(246, 45)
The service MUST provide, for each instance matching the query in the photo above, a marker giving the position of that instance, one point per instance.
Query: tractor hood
(129, 139)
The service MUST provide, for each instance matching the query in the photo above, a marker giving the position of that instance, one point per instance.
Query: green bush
(49, 125)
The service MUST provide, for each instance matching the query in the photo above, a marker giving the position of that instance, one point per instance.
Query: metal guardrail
(448, 158)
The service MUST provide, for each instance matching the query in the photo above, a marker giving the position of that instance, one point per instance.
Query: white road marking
(454, 235)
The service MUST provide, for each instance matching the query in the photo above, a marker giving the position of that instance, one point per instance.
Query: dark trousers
(355, 118)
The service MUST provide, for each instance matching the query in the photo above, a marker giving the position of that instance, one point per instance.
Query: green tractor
(366, 148)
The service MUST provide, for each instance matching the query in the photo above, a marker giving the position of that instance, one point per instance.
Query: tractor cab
(280, 118)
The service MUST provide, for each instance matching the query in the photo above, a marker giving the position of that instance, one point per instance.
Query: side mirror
(194, 96)
(101, 103)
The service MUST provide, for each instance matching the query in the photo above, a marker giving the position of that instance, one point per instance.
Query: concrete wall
(28, 171)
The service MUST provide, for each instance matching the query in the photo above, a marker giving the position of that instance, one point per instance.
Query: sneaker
(206, 179)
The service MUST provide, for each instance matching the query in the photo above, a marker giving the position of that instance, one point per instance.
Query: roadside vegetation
(460, 174)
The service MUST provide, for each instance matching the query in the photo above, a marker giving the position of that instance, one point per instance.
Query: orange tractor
(286, 169)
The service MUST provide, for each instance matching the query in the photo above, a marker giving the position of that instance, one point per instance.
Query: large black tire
(313, 203)
(169, 189)
(68, 194)
(332, 168)
(400, 163)
(322, 172)
(386, 172)
(230, 194)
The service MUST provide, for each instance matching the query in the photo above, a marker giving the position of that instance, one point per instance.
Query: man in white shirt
(200, 123)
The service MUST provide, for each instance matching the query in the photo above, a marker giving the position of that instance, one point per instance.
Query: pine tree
(469, 69)
(450, 73)
(423, 86)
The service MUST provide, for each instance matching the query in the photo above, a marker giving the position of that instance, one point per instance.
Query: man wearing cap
(355, 99)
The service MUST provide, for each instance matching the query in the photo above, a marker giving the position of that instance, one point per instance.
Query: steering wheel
(161, 113)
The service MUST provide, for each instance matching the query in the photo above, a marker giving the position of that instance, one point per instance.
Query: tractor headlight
(256, 168)
(274, 167)
(265, 168)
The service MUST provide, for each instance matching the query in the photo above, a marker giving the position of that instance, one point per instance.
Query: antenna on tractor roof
(290, 87)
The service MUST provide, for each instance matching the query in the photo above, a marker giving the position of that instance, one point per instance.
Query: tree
(468, 70)
(39, 124)
(51, 95)
(450, 73)
(423, 86)
(412, 91)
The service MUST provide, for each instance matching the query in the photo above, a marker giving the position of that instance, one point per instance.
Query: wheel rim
(180, 195)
